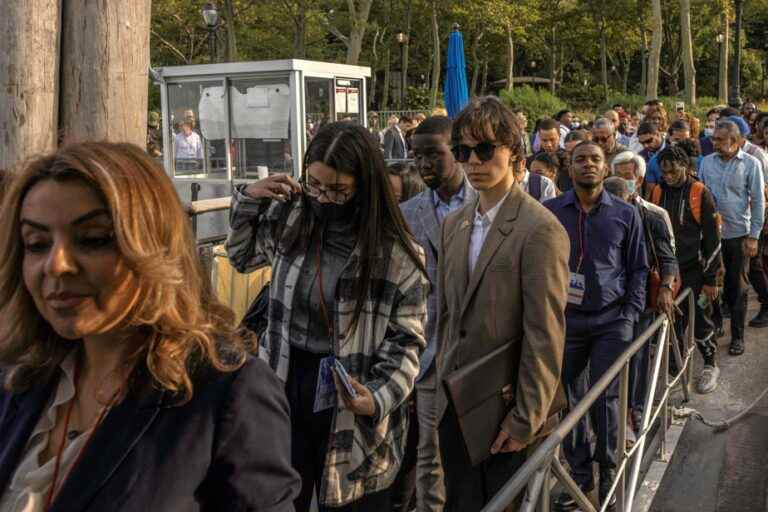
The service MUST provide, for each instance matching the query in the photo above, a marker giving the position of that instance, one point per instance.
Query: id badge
(576, 288)
(325, 394)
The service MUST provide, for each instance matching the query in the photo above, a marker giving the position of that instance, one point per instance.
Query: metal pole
(622, 441)
(212, 43)
(735, 97)
(402, 75)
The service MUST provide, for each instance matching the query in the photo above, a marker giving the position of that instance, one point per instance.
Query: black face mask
(331, 212)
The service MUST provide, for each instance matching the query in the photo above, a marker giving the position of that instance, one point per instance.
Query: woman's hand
(363, 405)
(278, 186)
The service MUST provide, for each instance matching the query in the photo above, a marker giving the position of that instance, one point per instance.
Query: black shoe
(607, 476)
(737, 347)
(761, 319)
(720, 332)
(565, 503)
(725, 310)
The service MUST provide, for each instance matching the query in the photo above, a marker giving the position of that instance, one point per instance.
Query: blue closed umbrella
(456, 90)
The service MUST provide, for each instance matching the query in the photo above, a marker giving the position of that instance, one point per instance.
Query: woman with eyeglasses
(346, 314)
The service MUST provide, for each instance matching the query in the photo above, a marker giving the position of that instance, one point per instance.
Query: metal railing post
(194, 193)
(691, 336)
(622, 442)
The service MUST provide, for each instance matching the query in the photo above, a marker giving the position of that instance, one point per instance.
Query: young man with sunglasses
(604, 135)
(447, 191)
(502, 285)
(608, 273)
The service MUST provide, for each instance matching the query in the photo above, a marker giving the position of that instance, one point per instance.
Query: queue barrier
(543, 467)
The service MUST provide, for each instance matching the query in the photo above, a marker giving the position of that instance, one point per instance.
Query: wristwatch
(668, 286)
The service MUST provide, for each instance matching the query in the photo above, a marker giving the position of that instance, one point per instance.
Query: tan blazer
(517, 292)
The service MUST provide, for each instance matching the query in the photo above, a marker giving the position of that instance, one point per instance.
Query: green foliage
(418, 98)
(535, 103)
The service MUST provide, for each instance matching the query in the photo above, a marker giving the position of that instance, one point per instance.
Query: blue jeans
(593, 342)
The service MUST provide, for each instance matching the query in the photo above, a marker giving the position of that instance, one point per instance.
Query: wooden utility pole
(29, 38)
(104, 68)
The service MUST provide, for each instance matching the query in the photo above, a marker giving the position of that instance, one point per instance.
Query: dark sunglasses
(484, 151)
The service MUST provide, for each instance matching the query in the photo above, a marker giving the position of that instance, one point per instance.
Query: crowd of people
(441, 294)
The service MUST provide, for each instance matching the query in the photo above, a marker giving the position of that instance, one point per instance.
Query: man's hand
(750, 247)
(711, 292)
(505, 444)
(665, 302)
(363, 405)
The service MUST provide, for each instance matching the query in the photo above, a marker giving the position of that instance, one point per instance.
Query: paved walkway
(726, 471)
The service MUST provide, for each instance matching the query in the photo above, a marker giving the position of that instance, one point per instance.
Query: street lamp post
(402, 38)
(734, 99)
(211, 17)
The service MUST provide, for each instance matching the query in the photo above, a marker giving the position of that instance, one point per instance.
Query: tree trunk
(374, 69)
(104, 66)
(229, 15)
(722, 87)
(475, 62)
(436, 57)
(29, 38)
(385, 89)
(510, 60)
(552, 61)
(644, 63)
(625, 76)
(484, 85)
(654, 59)
(688, 68)
(603, 60)
(299, 35)
(358, 18)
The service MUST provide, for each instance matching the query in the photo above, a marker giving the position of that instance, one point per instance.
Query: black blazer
(226, 449)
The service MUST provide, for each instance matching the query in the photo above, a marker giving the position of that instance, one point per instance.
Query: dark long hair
(351, 149)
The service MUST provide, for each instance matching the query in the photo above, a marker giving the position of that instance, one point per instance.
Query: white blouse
(30, 483)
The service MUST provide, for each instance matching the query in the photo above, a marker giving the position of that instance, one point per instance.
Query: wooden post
(688, 67)
(654, 59)
(104, 67)
(29, 38)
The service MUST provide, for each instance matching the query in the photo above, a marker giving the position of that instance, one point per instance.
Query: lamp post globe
(211, 18)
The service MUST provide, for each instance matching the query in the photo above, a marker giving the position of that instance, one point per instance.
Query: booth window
(317, 93)
(260, 114)
(348, 97)
(198, 129)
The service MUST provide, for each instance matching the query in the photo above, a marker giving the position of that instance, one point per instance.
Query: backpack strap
(534, 186)
(695, 195)
(655, 195)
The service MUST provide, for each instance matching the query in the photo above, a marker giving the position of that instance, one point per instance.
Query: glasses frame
(315, 192)
(481, 151)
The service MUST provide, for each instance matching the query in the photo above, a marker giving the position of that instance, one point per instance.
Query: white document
(341, 100)
(353, 100)
(249, 121)
(257, 97)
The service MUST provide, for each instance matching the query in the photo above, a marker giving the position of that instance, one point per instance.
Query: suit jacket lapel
(428, 219)
(501, 227)
(118, 434)
(19, 417)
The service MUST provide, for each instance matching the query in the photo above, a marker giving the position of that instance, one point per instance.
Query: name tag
(325, 394)
(576, 289)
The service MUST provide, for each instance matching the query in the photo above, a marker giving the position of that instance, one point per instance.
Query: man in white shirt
(188, 144)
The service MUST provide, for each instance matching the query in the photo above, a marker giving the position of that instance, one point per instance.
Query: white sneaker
(707, 381)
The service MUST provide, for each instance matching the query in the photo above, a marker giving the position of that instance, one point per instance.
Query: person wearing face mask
(348, 296)
(660, 250)
(447, 191)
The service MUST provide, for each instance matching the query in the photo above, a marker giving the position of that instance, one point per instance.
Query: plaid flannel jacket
(382, 352)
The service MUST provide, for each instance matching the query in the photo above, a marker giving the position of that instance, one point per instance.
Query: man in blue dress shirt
(736, 182)
(609, 269)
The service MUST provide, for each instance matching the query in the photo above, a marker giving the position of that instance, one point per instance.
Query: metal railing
(377, 120)
(536, 475)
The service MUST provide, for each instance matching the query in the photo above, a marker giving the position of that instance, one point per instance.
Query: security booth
(225, 124)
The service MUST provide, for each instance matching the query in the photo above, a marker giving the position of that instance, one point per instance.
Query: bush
(535, 103)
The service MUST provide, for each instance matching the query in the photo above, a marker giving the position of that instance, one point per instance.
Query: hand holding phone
(344, 378)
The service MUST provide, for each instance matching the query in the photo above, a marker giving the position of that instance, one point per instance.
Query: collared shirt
(737, 186)
(442, 209)
(758, 152)
(548, 190)
(480, 228)
(189, 147)
(642, 203)
(608, 248)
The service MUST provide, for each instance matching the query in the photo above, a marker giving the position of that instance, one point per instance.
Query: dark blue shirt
(612, 253)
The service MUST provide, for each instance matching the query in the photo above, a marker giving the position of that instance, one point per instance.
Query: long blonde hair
(184, 325)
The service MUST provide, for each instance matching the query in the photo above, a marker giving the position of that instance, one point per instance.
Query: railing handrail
(548, 447)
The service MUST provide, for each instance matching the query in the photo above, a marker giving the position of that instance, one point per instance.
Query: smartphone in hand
(345, 379)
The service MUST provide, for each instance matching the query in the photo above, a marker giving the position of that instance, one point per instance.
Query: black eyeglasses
(484, 151)
(334, 196)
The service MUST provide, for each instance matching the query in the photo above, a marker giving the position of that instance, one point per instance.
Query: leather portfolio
(482, 393)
